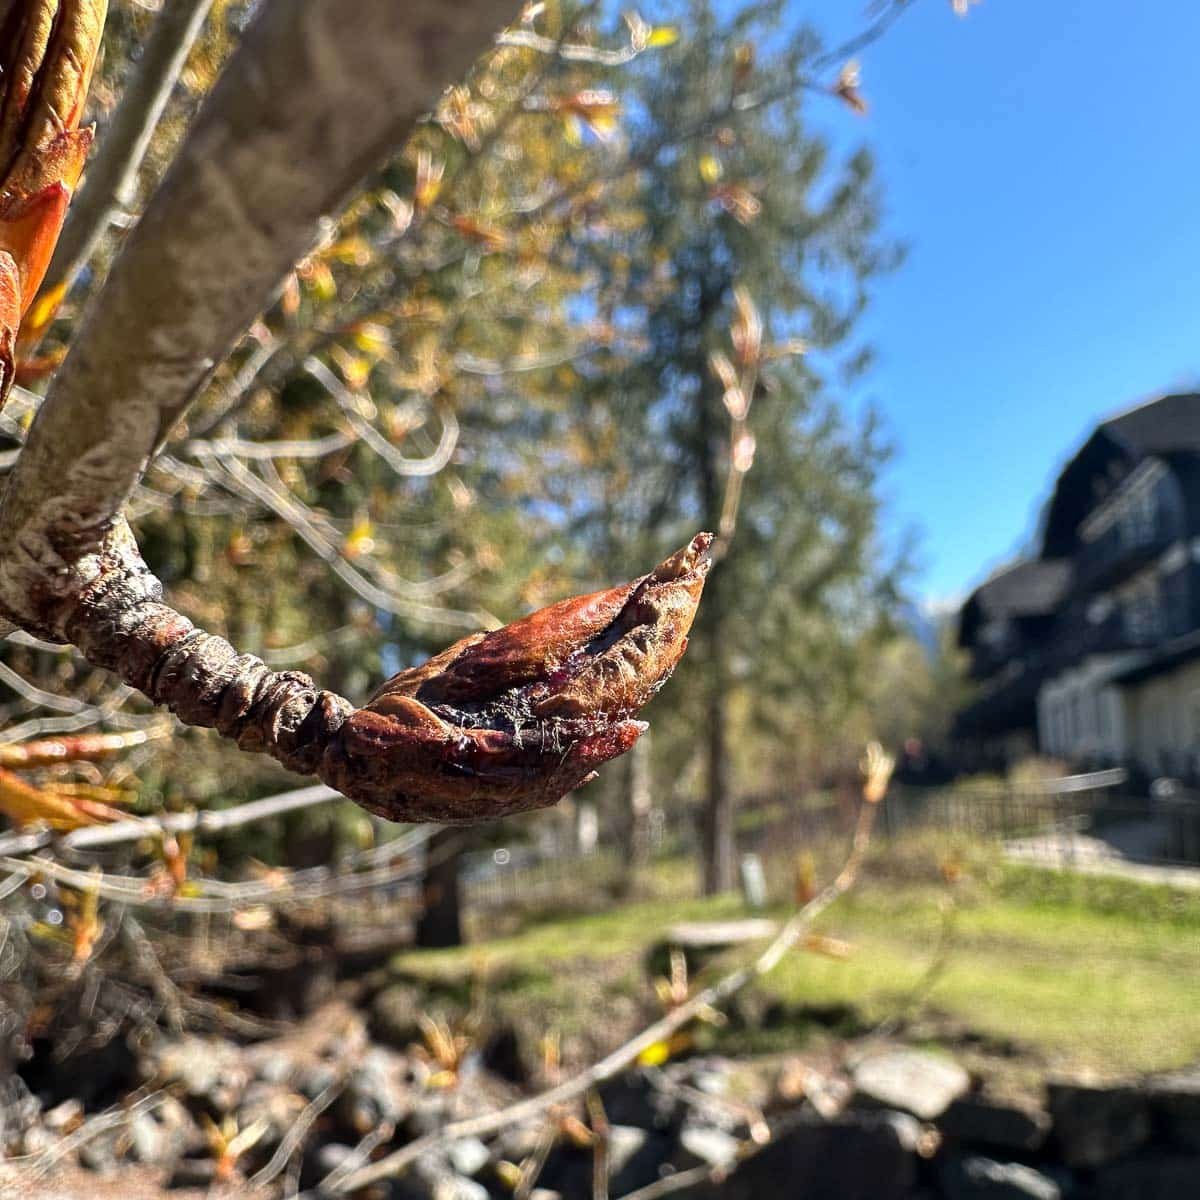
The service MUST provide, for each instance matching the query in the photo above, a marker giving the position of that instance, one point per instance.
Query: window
(1143, 614)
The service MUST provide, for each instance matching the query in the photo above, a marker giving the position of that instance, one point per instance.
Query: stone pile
(873, 1121)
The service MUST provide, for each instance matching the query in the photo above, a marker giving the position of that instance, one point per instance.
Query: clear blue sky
(1041, 159)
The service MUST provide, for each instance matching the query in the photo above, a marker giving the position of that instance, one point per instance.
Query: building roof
(1158, 426)
(1027, 588)
(1167, 426)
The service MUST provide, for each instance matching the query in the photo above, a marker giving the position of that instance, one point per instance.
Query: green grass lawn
(1078, 973)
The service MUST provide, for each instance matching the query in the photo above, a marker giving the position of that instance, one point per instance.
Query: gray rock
(468, 1156)
(1174, 1100)
(995, 1123)
(458, 1187)
(19, 1108)
(193, 1172)
(852, 1157)
(314, 1079)
(329, 1156)
(632, 1099)
(101, 1154)
(430, 1178)
(624, 1141)
(1169, 1177)
(276, 1067)
(275, 1104)
(148, 1140)
(636, 1157)
(977, 1178)
(208, 1070)
(62, 1117)
(1096, 1125)
(700, 1144)
(914, 1081)
(375, 1093)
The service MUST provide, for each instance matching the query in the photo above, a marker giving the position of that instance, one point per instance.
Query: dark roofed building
(1003, 626)
(1091, 651)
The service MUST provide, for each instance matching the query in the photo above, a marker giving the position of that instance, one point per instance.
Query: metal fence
(1082, 821)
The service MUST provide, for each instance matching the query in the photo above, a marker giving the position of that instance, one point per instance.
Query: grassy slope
(1084, 973)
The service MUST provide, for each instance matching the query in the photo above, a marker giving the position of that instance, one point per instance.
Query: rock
(1174, 1100)
(457, 1187)
(275, 1067)
(193, 1172)
(274, 1104)
(468, 1156)
(857, 1156)
(632, 1099)
(314, 1079)
(700, 941)
(64, 1117)
(101, 1154)
(329, 1156)
(161, 1135)
(910, 1133)
(1169, 1177)
(989, 1122)
(375, 1093)
(914, 1081)
(719, 935)
(635, 1159)
(502, 1055)
(393, 1017)
(19, 1109)
(975, 1177)
(706, 1144)
(429, 1178)
(207, 1070)
(1096, 1125)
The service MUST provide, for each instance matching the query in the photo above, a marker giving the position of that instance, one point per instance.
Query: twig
(112, 174)
(626, 1054)
(598, 1119)
(42, 1163)
(671, 1183)
(298, 1132)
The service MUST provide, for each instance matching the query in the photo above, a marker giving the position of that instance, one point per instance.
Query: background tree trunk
(634, 802)
(440, 922)
(718, 835)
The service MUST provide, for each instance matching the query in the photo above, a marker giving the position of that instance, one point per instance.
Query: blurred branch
(624, 1056)
(312, 100)
(112, 174)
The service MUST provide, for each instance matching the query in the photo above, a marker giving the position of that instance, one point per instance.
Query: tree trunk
(718, 850)
(718, 845)
(636, 802)
(440, 922)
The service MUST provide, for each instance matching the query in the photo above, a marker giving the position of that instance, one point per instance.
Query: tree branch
(315, 97)
(112, 174)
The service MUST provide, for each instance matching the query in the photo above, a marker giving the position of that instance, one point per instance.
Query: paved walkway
(1122, 851)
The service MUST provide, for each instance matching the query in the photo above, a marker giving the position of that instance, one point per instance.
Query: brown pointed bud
(47, 50)
(513, 720)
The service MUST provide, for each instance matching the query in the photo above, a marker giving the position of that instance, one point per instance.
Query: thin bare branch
(112, 173)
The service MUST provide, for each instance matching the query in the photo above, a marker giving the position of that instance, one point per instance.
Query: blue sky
(1041, 161)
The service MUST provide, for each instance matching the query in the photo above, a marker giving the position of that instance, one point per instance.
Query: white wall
(1165, 721)
(1082, 715)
